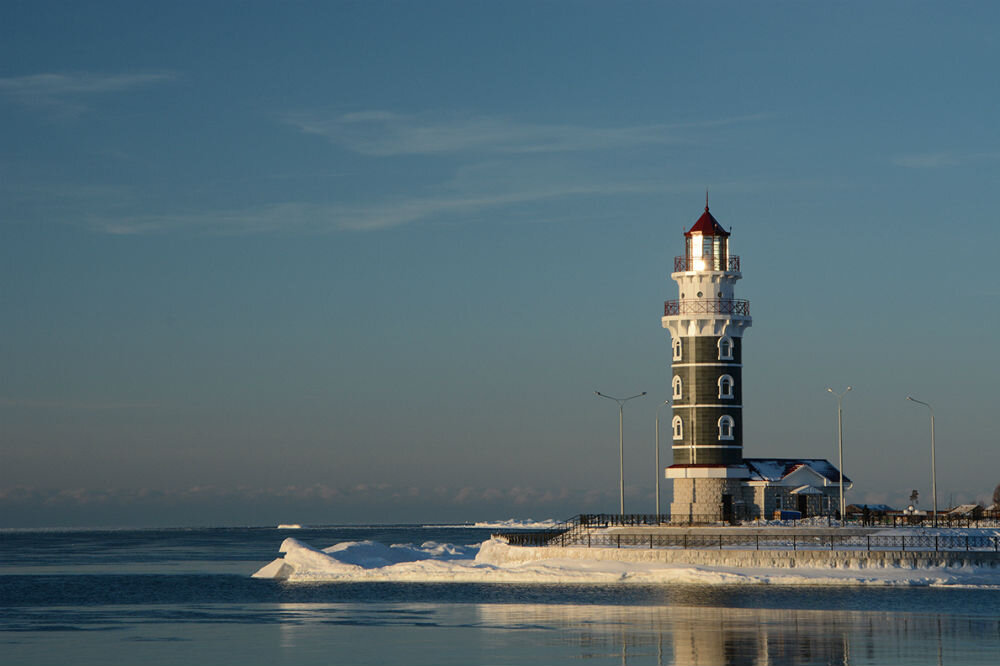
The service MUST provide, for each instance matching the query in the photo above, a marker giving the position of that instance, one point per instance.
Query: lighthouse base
(708, 494)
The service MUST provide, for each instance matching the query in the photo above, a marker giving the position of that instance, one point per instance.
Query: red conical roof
(707, 225)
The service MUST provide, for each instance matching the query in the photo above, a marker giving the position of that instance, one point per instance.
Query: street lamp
(840, 449)
(933, 463)
(658, 471)
(621, 446)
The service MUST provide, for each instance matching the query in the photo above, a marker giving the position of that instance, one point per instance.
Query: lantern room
(706, 246)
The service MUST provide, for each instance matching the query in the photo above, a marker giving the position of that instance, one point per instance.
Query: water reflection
(696, 636)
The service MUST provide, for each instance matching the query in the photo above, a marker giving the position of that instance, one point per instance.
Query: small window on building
(677, 349)
(677, 388)
(726, 387)
(726, 424)
(678, 427)
(725, 348)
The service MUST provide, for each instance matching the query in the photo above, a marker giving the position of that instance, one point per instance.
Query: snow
(512, 524)
(289, 526)
(495, 561)
(527, 524)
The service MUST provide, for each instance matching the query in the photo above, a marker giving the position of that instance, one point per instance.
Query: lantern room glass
(706, 252)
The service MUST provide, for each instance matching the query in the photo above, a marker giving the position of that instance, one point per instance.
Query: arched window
(726, 425)
(677, 349)
(678, 427)
(726, 387)
(725, 348)
(677, 388)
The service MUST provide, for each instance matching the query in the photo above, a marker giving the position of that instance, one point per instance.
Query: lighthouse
(706, 325)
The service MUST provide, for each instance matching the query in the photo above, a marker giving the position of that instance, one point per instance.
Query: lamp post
(933, 462)
(659, 407)
(840, 449)
(621, 445)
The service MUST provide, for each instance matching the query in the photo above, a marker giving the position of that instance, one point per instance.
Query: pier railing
(589, 530)
(795, 542)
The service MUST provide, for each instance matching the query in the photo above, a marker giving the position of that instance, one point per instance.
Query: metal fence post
(793, 542)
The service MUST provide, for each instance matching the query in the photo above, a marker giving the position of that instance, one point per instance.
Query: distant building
(712, 479)
(974, 511)
(873, 508)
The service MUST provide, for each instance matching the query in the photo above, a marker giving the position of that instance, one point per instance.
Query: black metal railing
(794, 542)
(983, 519)
(730, 306)
(709, 263)
(587, 530)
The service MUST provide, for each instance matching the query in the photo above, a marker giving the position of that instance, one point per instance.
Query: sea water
(186, 596)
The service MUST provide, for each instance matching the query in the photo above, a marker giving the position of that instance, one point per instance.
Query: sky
(350, 262)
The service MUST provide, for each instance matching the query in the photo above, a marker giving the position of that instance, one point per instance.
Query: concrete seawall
(771, 559)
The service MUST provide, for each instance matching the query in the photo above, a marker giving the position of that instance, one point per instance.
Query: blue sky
(349, 262)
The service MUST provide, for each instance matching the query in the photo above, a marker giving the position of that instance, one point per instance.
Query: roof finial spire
(706, 198)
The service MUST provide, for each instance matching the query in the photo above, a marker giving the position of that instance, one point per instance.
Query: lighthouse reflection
(697, 636)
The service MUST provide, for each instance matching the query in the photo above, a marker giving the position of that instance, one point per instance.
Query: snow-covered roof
(775, 469)
(963, 509)
(807, 490)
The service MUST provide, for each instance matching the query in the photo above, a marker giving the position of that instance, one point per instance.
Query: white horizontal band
(730, 406)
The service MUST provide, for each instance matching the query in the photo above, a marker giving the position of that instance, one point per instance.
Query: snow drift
(495, 561)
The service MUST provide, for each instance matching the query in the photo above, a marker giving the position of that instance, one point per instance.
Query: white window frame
(678, 349)
(729, 344)
(726, 422)
(677, 425)
(678, 387)
(727, 395)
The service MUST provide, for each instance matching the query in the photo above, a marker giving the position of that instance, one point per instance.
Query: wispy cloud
(66, 93)
(383, 134)
(300, 217)
(942, 159)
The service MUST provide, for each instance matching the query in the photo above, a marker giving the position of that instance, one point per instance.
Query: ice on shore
(512, 524)
(495, 561)
(527, 524)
